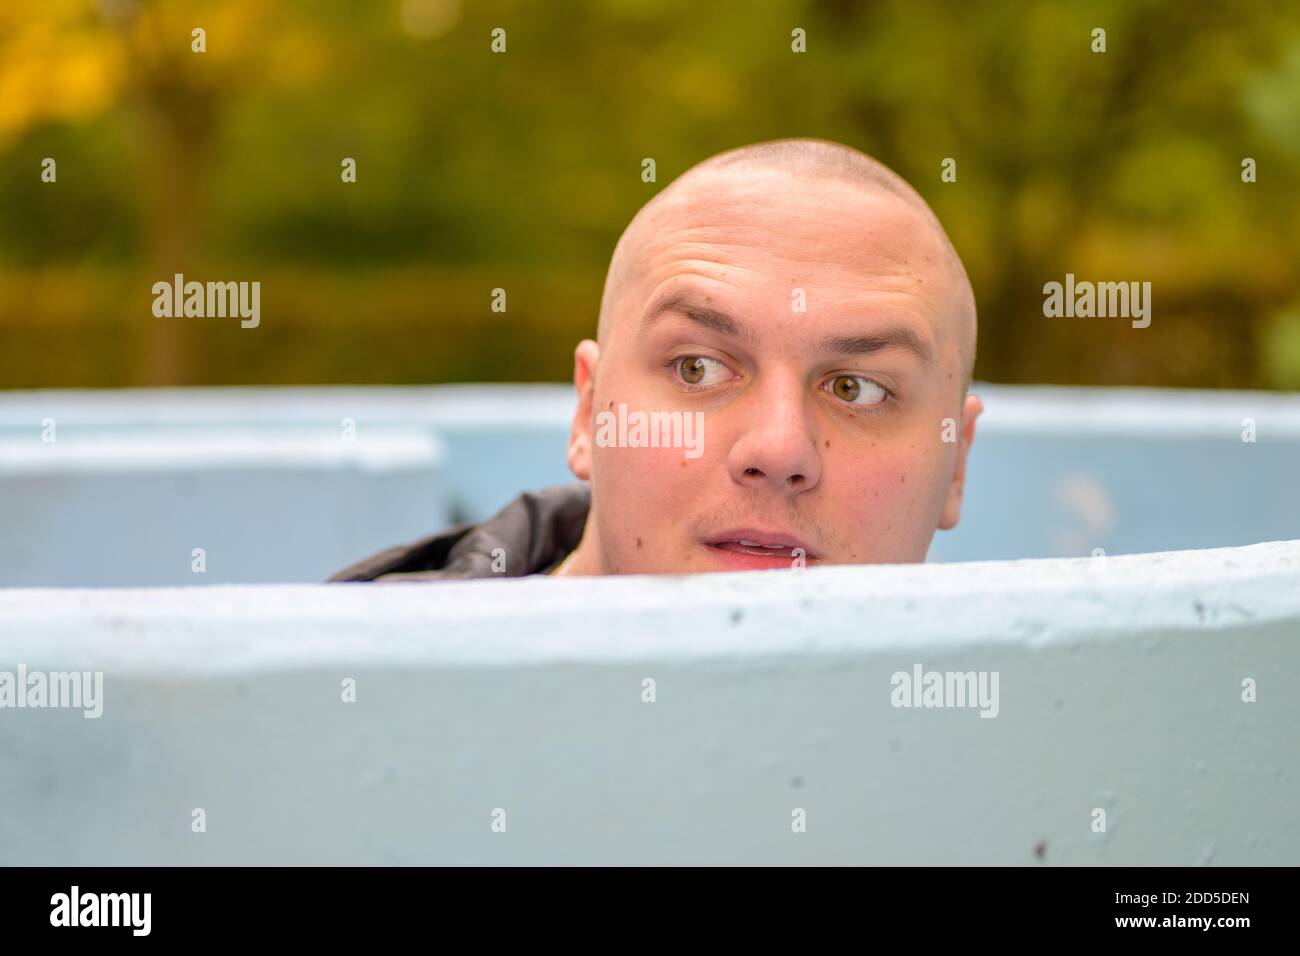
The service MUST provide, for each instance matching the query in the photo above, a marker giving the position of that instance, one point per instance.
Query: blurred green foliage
(519, 170)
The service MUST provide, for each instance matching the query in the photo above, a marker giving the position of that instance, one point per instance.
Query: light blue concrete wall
(263, 480)
(231, 504)
(1122, 699)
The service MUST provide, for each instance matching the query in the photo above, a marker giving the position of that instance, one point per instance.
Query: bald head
(802, 306)
(795, 167)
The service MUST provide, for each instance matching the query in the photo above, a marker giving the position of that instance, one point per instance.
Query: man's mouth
(750, 548)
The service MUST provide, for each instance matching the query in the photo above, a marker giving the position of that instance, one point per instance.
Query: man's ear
(952, 504)
(585, 359)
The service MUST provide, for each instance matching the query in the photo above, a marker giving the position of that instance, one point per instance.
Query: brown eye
(701, 370)
(858, 390)
(692, 369)
(846, 387)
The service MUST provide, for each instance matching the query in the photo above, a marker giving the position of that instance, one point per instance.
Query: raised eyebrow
(894, 337)
(687, 305)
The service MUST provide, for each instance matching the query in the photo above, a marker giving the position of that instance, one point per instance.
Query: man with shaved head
(800, 305)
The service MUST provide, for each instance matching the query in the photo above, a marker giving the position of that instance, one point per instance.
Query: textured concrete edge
(736, 618)
(385, 448)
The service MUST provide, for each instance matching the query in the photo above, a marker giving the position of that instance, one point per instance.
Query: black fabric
(535, 532)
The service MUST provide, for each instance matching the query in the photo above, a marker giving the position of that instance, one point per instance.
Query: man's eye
(857, 390)
(698, 370)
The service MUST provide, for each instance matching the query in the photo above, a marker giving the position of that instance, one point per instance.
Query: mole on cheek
(638, 542)
(828, 443)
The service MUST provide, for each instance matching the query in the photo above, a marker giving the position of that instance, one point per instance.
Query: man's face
(823, 430)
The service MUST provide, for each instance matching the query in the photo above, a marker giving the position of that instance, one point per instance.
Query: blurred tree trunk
(176, 103)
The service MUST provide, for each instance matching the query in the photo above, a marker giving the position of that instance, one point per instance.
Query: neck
(585, 559)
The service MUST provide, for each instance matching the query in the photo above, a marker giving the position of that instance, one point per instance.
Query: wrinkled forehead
(824, 224)
(760, 223)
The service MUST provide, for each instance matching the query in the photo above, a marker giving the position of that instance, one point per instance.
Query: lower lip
(739, 558)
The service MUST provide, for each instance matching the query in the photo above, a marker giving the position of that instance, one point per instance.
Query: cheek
(656, 494)
(650, 466)
(890, 490)
(655, 490)
(652, 474)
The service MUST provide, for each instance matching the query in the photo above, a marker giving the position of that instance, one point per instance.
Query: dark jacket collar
(531, 535)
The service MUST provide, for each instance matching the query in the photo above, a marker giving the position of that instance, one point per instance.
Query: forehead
(827, 225)
(761, 233)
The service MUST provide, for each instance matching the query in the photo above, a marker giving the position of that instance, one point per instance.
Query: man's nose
(776, 447)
